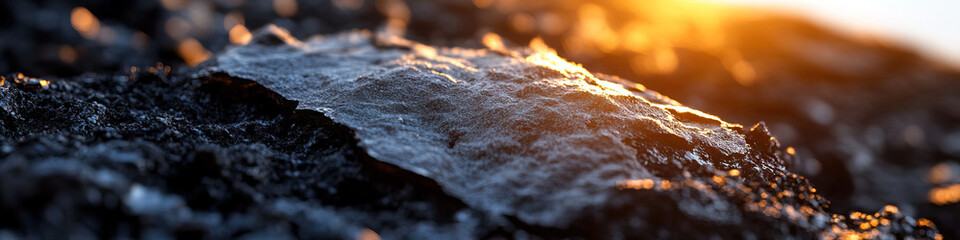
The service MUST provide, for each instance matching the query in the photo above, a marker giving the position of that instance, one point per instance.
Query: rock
(870, 123)
(236, 154)
(530, 136)
(358, 136)
(868, 119)
(534, 136)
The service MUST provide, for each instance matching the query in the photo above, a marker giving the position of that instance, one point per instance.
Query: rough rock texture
(523, 134)
(873, 122)
(537, 137)
(357, 137)
(147, 156)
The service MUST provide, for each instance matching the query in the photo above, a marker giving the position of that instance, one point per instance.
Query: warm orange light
(647, 183)
(742, 71)
(595, 30)
(67, 54)
(547, 57)
(285, 8)
(85, 22)
(940, 173)
(192, 52)
(635, 38)
(891, 209)
(398, 15)
(945, 195)
(20, 78)
(240, 35)
(368, 234)
(653, 31)
(665, 184)
(851, 236)
(550, 24)
(664, 60)
(734, 172)
(637, 184)
(719, 179)
(660, 60)
(523, 22)
(493, 41)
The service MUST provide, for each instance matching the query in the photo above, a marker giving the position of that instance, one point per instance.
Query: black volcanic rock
(529, 136)
(534, 137)
(870, 122)
(873, 122)
(354, 136)
(148, 156)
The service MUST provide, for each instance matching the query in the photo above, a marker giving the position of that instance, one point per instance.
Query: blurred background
(864, 93)
(927, 25)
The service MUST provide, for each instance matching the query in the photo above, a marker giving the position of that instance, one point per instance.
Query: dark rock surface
(872, 123)
(148, 156)
(355, 136)
(532, 136)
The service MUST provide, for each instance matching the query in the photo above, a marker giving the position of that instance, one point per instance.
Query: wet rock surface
(356, 136)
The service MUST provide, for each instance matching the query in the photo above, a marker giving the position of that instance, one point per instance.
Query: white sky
(932, 26)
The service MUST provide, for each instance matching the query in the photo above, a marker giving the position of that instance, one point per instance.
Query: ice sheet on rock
(521, 133)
